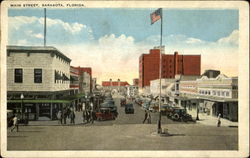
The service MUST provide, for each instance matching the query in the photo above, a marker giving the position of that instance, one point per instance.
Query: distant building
(41, 75)
(136, 82)
(211, 73)
(171, 66)
(132, 90)
(84, 79)
(114, 83)
(74, 79)
(115, 86)
(94, 84)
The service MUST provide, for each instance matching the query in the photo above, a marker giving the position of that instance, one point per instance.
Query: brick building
(171, 66)
(85, 79)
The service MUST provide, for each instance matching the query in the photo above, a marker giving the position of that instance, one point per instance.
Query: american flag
(156, 15)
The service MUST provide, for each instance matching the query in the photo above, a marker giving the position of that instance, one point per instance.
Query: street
(125, 133)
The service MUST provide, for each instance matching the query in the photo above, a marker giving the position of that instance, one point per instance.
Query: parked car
(180, 114)
(105, 114)
(129, 109)
(166, 109)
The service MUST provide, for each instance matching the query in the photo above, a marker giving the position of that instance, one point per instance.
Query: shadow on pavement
(15, 136)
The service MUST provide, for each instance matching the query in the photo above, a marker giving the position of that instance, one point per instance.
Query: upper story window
(38, 75)
(18, 75)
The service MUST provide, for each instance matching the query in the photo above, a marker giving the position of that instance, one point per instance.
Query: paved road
(125, 133)
(135, 118)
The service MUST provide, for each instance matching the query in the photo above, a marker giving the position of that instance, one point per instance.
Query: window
(218, 93)
(38, 75)
(227, 94)
(223, 93)
(18, 75)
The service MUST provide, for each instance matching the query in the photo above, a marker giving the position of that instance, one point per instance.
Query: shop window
(18, 75)
(38, 75)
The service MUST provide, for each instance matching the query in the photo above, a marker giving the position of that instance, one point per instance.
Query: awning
(65, 78)
(39, 101)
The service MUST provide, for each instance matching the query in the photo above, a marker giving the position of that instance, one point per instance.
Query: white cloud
(38, 35)
(113, 56)
(22, 42)
(194, 41)
(233, 38)
(58, 31)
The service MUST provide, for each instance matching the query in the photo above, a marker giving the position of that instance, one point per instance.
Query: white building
(39, 74)
(132, 90)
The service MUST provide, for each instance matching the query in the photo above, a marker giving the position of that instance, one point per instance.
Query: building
(132, 90)
(38, 81)
(94, 84)
(85, 83)
(136, 81)
(155, 86)
(82, 76)
(211, 96)
(219, 95)
(74, 80)
(115, 86)
(211, 73)
(171, 65)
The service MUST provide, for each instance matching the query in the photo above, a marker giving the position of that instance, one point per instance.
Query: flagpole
(44, 27)
(159, 130)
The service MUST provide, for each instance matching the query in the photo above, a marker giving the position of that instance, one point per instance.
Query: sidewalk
(78, 120)
(212, 121)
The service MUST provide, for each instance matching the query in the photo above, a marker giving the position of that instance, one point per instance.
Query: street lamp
(197, 116)
(22, 106)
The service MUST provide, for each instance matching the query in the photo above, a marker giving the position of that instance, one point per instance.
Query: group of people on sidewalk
(64, 114)
(88, 113)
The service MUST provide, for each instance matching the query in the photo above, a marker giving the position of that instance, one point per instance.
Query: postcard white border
(243, 80)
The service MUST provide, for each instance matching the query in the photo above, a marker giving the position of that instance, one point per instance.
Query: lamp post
(197, 116)
(22, 106)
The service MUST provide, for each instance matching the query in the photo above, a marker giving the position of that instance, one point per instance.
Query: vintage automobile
(129, 109)
(166, 109)
(111, 106)
(123, 102)
(180, 114)
(105, 114)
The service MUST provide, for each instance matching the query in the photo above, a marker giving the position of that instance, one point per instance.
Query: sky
(110, 40)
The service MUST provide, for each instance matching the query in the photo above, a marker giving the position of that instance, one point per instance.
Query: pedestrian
(15, 123)
(87, 115)
(92, 116)
(64, 115)
(59, 117)
(219, 122)
(149, 117)
(72, 117)
(145, 116)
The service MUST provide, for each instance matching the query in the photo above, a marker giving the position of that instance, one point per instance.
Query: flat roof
(40, 49)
